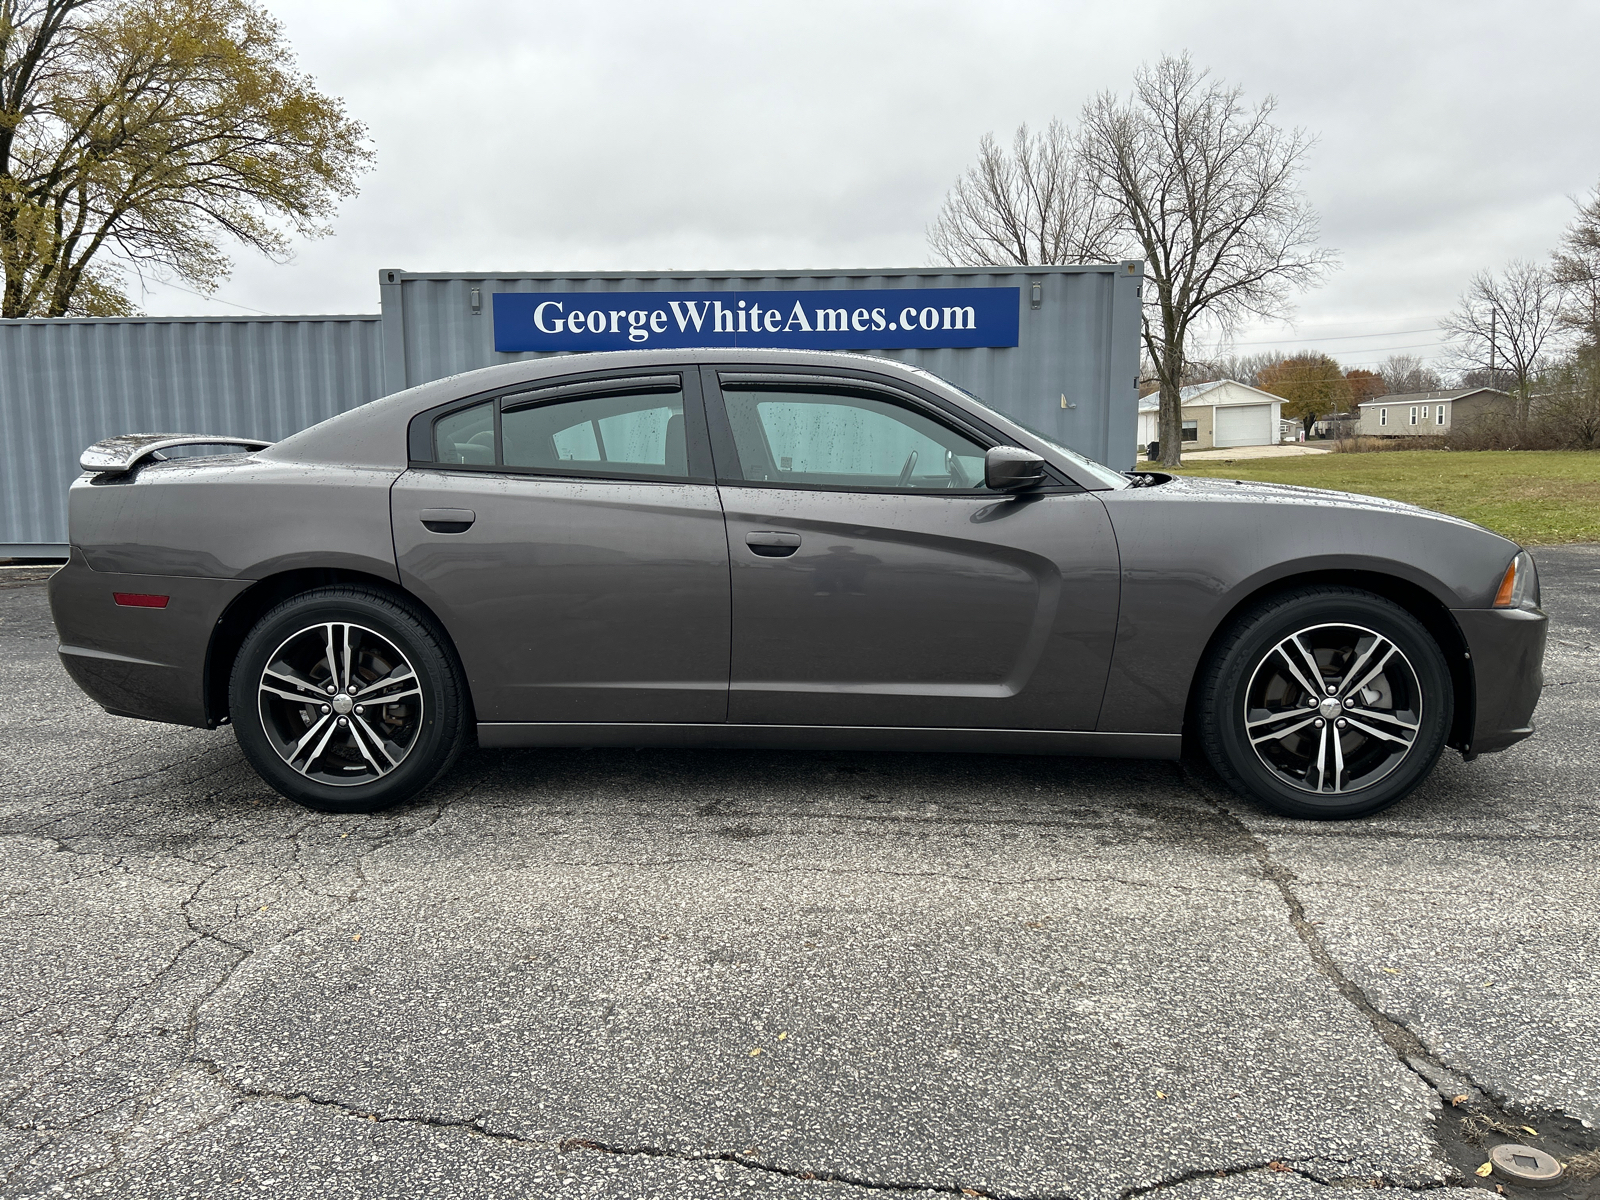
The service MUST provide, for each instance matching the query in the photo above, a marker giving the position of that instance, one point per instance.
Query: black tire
(1270, 740)
(379, 739)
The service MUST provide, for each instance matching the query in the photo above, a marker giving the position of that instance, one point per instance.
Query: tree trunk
(1169, 428)
(1169, 425)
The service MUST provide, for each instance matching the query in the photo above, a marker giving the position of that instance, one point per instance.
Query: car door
(877, 582)
(571, 540)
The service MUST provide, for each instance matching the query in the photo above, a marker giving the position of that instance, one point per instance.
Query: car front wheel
(344, 699)
(1325, 702)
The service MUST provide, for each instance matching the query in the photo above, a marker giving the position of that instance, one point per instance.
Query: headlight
(1519, 587)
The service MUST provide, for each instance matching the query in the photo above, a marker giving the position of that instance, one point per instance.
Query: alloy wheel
(340, 703)
(1333, 709)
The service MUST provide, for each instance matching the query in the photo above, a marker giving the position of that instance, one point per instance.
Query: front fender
(1191, 557)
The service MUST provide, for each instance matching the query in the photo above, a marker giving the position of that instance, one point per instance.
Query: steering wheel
(952, 468)
(905, 471)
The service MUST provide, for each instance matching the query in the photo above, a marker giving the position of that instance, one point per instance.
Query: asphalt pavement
(696, 974)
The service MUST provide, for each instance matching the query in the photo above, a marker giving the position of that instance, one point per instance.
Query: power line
(210, 299)
(1343, 337)
(1391, 349)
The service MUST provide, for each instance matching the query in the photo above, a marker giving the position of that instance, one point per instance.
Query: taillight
(139, 600)
(1519, 586)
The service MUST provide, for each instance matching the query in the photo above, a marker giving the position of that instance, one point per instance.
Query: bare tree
(1242, 368)
(1576, 270)
(1404, 374)
(1029, 207)
(1570, 401)
(1208, 193)
(1507, 323)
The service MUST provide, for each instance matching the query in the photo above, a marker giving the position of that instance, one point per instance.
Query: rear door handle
(447, 520)
(769, 544)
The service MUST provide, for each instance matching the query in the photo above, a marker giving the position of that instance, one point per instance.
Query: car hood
(1247, 491)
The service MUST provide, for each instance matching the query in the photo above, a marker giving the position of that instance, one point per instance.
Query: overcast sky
(598, 135)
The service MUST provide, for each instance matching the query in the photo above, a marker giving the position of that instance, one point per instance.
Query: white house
(1218, 415)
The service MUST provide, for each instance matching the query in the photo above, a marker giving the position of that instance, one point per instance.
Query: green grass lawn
(1537, 497)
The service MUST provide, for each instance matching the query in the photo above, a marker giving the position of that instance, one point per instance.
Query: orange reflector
(142, 600)
(1502, 598)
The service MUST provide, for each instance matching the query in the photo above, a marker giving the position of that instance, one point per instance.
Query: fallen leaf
(263, 908)
(1530, 1129)
(1161, 1095)
(1278, 1166)
(356, 938)
(1391, 971)
(781, 1036)
(1485, 1169)
(1461, 1099)
(1489, 984)
(755, 1052)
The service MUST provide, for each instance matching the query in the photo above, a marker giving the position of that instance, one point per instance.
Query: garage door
(1245, 425)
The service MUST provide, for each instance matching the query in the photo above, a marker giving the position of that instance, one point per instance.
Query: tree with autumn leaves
(1315, 386)
(148, 135)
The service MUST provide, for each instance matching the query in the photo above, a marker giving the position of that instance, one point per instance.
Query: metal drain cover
(1525, 1165)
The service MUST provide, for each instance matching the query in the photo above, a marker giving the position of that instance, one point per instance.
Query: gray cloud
(653, 135)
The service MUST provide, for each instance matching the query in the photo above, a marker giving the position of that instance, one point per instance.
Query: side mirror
(1011, 468)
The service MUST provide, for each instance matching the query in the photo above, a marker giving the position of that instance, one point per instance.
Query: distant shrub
(1493, 432)
(1360, 444)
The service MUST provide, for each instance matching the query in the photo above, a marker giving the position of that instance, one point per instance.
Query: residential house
(1218, 415)
(1430, 414)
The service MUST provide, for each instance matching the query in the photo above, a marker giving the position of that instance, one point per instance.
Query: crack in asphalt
(1455, 1086)
(1283, 1166)
(824, 1176)
(478, 1126)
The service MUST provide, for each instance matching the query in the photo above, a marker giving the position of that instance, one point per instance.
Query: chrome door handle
(447, 520)
(770, 544)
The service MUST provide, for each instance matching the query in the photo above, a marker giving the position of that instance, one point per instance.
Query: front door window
(837, 440)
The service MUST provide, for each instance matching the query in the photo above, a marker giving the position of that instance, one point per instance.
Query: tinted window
(466, 437)
(834, 439)
(631, 434)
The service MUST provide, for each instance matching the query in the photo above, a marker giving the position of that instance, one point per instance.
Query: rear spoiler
(114, 456)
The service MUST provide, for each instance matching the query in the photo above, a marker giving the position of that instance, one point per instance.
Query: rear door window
(637, 430)
(629, 434)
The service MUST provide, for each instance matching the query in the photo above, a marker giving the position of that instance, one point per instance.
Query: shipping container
(66, 383)
(1057, 348)
(1067, 366)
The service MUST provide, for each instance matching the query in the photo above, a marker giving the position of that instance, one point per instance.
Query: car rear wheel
(344, 699)
(1325, 702)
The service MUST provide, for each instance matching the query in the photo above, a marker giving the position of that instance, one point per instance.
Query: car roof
(375, 433)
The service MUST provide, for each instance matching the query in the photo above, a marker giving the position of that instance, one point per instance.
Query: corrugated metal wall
(67, 383)
(1080, 344)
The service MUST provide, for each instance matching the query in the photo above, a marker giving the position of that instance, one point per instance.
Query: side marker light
(1508, 587)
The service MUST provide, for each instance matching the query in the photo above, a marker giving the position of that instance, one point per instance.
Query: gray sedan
(773, 549)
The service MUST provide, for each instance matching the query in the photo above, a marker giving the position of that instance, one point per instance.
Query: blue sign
(885, 319)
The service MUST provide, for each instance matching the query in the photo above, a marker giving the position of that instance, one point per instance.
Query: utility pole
(1492, 314)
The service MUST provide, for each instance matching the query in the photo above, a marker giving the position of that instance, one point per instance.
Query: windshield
(1101, 472)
